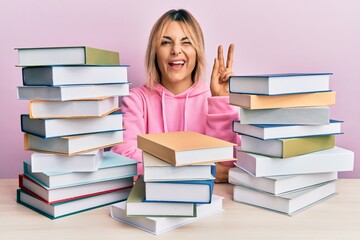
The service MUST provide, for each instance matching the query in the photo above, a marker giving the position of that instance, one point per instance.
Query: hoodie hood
(193, 91)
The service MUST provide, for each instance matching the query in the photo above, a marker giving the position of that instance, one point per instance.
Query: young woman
(175, 96)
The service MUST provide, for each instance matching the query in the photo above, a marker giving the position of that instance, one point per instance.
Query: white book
(64, 209)
(72, 92)
(69, 146)
(66, 55)
(74, 75)
(61, 127)
(84, 162)
(136, 206)
(156, 169)
(278, 185)
(275, 131)
(57, 195)
(99, 107)
(290, 203)
(331, 160)
(158, 225)
(199, 191)
(275, 84)
(300, 115)
(113, 166)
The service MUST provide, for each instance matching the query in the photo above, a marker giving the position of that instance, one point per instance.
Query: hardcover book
(288, 147)
(251, 101)
(290, 203)
(136, 206)
(67, 55)
(61, 127)
(64, 194)
(304, 116)
(63, 209)
(278, 185)
(199, 191)
(72, 92)
(70, 146)
(113, 166)
(84, 162)
(274, 84)
(86, 108)
(74, 75)
(158, 225)
(185, 148)
(275, 131)
(331, 160)
(156, 170)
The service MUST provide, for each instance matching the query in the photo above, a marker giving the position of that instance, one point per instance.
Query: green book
(289, 147)
(71, 55)
(136, 206)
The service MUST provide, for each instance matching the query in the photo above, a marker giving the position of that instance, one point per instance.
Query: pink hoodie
(156, 111)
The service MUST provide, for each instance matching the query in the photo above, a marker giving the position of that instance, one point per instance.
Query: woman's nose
(176, 49)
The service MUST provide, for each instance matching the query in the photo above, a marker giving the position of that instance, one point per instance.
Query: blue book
(276, 131)
(60, 127)
(277, 84)
(113, 166)
(196, 191)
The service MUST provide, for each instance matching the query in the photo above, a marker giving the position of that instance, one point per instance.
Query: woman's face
(176, 57)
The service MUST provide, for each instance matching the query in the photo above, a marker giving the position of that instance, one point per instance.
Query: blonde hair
(193, 30)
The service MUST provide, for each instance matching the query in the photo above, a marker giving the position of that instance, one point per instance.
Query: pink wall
(271, 36)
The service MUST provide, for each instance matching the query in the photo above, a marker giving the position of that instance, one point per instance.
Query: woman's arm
(134, 124)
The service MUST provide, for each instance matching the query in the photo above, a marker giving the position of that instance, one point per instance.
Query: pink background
(270, 36)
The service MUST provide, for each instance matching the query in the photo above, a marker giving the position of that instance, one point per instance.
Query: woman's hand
(219, 84)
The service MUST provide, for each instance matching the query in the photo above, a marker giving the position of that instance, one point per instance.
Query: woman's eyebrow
(169, 38)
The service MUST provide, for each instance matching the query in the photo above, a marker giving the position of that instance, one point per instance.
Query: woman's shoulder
(141, 92)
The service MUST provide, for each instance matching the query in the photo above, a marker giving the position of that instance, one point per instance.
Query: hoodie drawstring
(164, 111)
(185, 107)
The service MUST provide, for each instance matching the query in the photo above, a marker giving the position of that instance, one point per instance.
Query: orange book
(250, 101)
(186, 148)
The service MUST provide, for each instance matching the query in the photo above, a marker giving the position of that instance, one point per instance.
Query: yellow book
(71, 55)
(289, 147)
(186, 148)
(250, 101)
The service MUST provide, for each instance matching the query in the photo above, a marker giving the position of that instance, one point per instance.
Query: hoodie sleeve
(219, 121)
(134, 124)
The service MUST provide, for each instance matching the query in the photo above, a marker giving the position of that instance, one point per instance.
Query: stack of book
(288, 159)
(73, 116)
(178, 181)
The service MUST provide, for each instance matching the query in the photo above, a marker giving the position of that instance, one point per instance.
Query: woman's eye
(165, 42)
(187, 43)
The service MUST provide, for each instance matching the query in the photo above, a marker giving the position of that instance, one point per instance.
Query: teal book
(63, 209)
(113, 166)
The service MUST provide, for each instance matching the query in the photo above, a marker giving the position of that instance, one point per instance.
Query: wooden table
(336, 218)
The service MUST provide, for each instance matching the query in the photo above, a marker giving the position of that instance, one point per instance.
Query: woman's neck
(177, 87)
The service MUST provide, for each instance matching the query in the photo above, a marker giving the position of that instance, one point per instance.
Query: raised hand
(219, 84)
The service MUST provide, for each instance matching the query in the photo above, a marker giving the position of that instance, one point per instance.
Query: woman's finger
(221, 56)
(215, 70)
(230, 56)
(225, 77)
